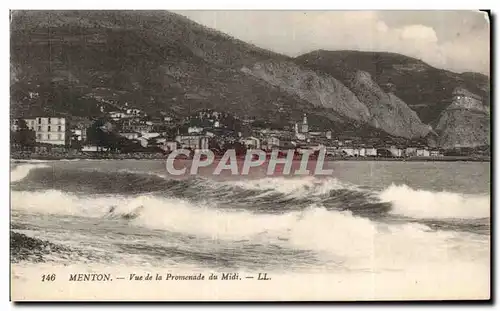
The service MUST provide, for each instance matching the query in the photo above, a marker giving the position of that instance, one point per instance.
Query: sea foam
(21, 171)
(338, 235)
(425, 204)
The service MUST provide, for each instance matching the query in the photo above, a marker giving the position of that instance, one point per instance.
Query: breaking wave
(268, 195)
(171, 214)
(426, 204)
(129, 181)
(295, 187)
(339, 235)
(69, 213)
(21, 171)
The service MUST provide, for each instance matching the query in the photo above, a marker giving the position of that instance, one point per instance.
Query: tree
(24, 136)
(75, 143)
(95, 135)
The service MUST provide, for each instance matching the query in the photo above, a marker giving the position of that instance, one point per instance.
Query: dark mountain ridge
(160, 61)
(425, 89)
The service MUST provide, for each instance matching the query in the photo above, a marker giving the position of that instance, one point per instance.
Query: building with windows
(302, 130)
(305, 127)
(130, 135)
(195, 129)
(396, 152)
(422, 152)
(251, 142)
(14, 125)
(435, 153)
(193, 141)
(273, 141)
(78, 134)
(49, 130)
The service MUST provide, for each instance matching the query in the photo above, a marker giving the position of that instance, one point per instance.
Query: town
(129, 132)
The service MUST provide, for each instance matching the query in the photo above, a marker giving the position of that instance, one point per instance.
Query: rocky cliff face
(388, 111)
(319, 90)
(459, 128)
(362, 100)
(426, 90)
(465, 122)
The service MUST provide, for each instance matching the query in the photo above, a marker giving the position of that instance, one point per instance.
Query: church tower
(305, 126)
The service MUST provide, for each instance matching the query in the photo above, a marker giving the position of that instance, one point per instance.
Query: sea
(372, 230)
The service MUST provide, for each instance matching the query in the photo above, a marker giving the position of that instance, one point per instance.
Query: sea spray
(425, 204)
(337, 236)
(21, 171)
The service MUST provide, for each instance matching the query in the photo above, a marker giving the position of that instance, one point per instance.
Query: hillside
(151, 60)
(463, 128)
(156, 61)
(425, 89)
(73, 62)
(362, 101)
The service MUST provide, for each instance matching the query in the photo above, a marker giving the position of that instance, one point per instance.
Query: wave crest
(338, 235)
(295, 187)
(22, 171)
(426, 204)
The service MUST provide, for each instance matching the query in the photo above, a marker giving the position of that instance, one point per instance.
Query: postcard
(250, 155)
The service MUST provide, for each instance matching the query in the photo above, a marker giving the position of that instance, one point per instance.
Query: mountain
(71, 62)
(426, 90)
(153, 60)
(466, 122)
(363, 101)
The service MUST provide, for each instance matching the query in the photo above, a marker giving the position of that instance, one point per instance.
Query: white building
(302, 130)
(193, 141)
(370, 152)
(130, 135)
(305, 126)
(117, 115)
(411, 151)
(435, 153)
(272, 141)
(396, 152)
(349, 151)
(423, 153)
(251, 142)
(133, 111)
(362, 152)
(194, 129)
(92, 148)
(78, 134)
(49, 130)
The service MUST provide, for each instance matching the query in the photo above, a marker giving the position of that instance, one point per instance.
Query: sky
(454, 40)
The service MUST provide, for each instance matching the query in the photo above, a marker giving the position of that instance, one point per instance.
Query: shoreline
(139, 156)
